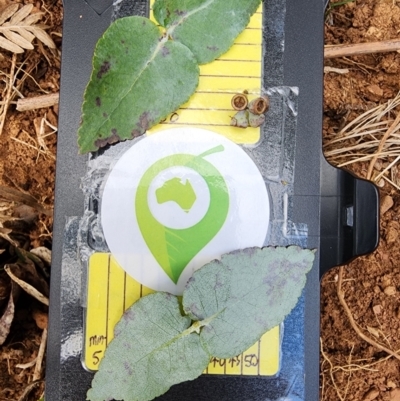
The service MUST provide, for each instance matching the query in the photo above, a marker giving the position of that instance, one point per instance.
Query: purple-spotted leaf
(138, 78)
(229, 304)
(207, 27)
(153, 348)
(245, 294)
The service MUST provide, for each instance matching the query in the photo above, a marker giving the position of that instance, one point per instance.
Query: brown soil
(27, 154)
(351, 369)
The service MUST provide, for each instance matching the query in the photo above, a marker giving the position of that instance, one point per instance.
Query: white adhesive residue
(71, 346)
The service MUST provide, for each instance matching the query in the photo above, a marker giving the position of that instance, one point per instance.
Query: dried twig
(26, 365)
(332, 51)
(28, 389)
(330, 370)
(354, 325)
(38, 368)
(382, 144)
(8, 95)
(372, 135)
(38, 102)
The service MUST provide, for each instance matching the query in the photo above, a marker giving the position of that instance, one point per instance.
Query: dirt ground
(27, 154)
(351, 367)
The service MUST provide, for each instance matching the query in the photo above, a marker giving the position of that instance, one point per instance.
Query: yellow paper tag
(236, 71)
(111, 291)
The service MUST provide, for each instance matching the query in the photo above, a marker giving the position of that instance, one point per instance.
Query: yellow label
(111, 291)
(236, 71)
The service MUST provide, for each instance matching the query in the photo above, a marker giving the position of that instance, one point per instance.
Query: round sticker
(177, 200)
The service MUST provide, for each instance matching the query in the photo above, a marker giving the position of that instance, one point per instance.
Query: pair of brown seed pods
(249, 114)
(257, 106)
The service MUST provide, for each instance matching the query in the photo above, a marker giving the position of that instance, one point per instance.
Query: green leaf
(207, 27)
(152, 350)
(232, 302)
(244, 295)
(138, 78)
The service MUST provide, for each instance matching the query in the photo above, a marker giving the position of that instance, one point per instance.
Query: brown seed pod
(239, 102)
(259, 106)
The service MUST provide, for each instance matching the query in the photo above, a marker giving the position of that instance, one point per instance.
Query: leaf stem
(198, 324)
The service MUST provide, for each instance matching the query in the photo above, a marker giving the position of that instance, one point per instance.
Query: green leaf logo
(175, 248)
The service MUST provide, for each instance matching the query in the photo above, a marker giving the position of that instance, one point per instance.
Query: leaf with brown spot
(134, 83)
(239, 297)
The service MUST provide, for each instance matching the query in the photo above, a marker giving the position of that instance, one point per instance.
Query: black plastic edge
(350, 217)
(304, 42)
(100, 6)
(80, 21)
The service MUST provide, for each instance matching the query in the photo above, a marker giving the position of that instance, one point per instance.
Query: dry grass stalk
(8, 97)
(41, 135)
(353, 323)
(11, 87)
(28, 390)
(332, 377)
(38, 368)
(390, 131)
(372, 136)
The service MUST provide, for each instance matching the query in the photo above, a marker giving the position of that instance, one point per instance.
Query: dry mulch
(351, 368)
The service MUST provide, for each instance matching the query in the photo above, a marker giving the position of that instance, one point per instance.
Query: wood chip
(38, 102)
(386, 204)
(336, 70)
